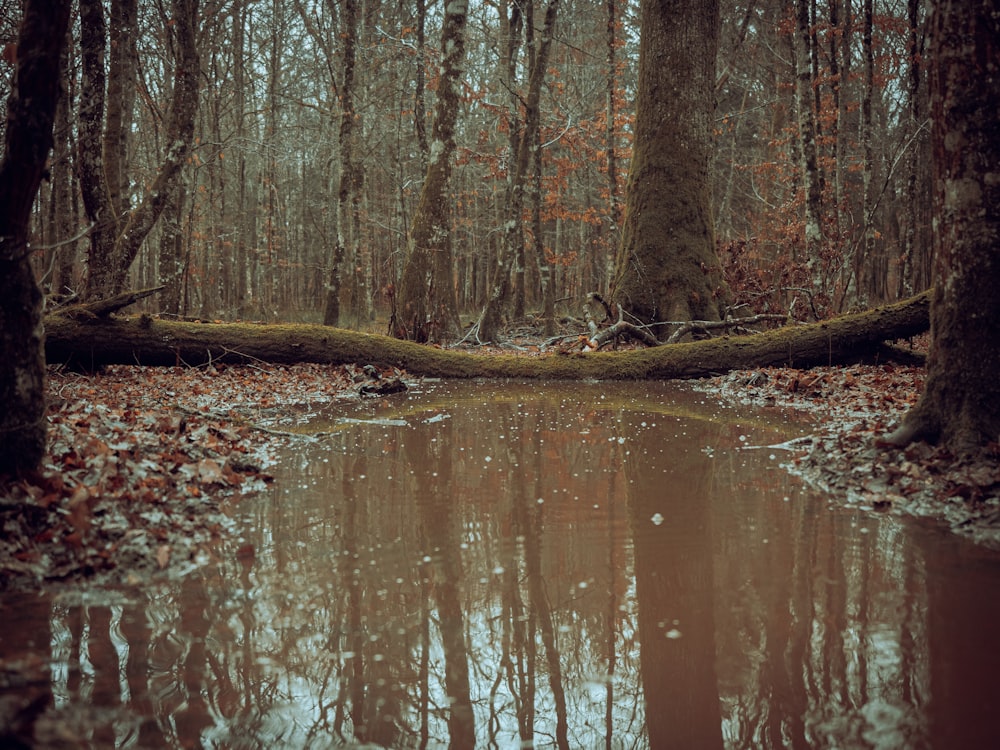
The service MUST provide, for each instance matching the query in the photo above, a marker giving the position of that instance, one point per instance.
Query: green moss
(160, 342)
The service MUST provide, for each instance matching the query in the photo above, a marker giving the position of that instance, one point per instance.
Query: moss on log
(147, 341)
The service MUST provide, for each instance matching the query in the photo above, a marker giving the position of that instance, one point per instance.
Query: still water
(511, 565)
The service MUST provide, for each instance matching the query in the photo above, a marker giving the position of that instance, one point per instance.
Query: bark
(512, 243)
(666, 267)
(92, 342)
(546, 271)
(807, 139)
(428, 309)
(118, 231)
(350, 174)
(27, 141)
(419, 87)
(960, 405)
(610, 113)
(914, 161)
(122, 62)
(172, 252)
(836, 87)
(64, 206)
(866, 265)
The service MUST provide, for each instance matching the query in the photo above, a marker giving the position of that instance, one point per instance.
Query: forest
(311, 135)
(392, 168)
(309, 313)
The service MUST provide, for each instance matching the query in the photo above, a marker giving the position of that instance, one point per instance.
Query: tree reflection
(437, 513)
(675, 589)
(492, 574)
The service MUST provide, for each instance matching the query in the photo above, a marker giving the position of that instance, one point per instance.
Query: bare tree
(28, 139)
(802, 44)
(119, 229)
(527, 145)
(427, 307)
(348, 193)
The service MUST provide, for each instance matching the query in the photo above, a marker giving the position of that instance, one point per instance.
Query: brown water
(580, 566)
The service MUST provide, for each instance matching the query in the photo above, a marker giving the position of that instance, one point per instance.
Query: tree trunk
(122, 63)
(171, 259)
(512, 238)
(28, 139)
(666, 267)
(349, 172)
(64, 205)
(88, 342)
(911, 207)
(546, 272)
(118, 231)
(960, 405)
(837, 89)
(428, 310)
(865, 264)
(807, 140)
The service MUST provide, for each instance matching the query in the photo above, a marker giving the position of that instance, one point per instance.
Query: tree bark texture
(118, 231)
(960, 406)
(666, 267)
(90, 342)
(802, 44)
(512, 243)
(428, 308)
(31, 110)
(349, 173)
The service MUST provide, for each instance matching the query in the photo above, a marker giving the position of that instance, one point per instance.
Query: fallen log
(143, 340)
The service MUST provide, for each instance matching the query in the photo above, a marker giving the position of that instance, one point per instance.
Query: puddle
(485, 564)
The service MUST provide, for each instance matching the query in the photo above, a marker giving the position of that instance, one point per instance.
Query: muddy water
(490, 565)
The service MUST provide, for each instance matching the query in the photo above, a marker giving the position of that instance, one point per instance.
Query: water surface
(495, 565)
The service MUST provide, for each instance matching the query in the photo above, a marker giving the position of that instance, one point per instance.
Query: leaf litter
(853, 407)
(144, 466)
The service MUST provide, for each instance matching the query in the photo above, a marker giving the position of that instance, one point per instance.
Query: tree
(960, 405)
(802, 44)
(666, 267)
(118, 229)
(525, 148)
(30, 112)
(351, 176)
(428, 310)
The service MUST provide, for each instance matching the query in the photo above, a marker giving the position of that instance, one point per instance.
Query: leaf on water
(163, 556)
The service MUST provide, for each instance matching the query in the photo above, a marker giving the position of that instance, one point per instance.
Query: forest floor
(145, 465)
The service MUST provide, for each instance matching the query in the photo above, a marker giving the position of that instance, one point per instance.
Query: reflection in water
(674, 574)
(507, 565)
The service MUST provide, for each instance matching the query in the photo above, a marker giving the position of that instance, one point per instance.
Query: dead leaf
(210, 472)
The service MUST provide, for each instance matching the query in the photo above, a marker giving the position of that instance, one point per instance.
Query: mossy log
(148, 341)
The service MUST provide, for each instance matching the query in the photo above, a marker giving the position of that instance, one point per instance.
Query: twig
(711, 325)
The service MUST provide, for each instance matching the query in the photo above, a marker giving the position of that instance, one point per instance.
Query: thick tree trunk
(428, 309)
(960, 406)
(91, 342)
(27, 141)
(666, 266)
